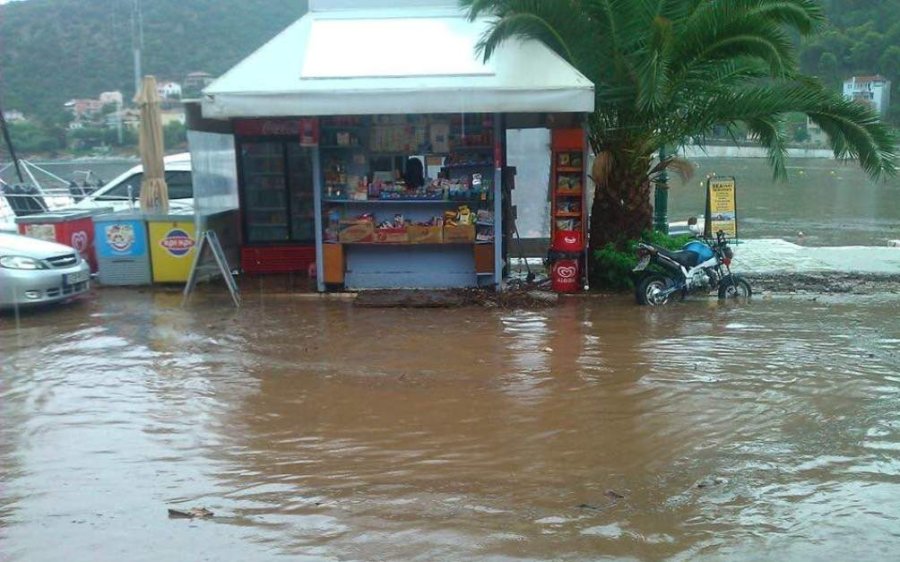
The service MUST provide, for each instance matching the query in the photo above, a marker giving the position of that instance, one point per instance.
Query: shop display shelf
(468, 165)
(568, 215)
(472, 148)
(401, 201)
(484, 223)
(455, 243)
(568, 194)
(568, 169)
(327, 127)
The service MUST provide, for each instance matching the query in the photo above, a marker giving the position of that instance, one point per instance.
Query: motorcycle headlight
(21, 262)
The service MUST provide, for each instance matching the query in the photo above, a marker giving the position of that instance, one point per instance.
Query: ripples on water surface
(325, 432)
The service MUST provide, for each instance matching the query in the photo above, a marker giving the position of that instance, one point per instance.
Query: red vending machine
(568, 208)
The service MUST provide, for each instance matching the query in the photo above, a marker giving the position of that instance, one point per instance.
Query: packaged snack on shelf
(391, 235)
(356, 230)
(425, 234)
(459, 233)
(484, 216)
(486, 235)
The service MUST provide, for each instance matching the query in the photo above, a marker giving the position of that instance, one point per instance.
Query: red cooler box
(72, 228)
(564, 276)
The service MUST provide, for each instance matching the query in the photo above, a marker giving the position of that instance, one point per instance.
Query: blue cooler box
(123, 254)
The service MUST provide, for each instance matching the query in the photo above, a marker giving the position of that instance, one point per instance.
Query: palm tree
(668, 71)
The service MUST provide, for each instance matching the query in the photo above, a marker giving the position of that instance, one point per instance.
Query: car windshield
(178, 182)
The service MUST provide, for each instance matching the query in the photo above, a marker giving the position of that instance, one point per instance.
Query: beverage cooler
(278, 213)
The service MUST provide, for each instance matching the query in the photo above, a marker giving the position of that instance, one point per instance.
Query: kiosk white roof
(404, 59)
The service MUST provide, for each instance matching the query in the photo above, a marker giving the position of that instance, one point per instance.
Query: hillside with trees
(862, 37)
(56, 50)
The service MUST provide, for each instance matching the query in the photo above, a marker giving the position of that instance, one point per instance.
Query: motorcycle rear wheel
(648, 289)
(735, 287)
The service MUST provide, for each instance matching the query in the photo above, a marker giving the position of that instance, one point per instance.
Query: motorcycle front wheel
(735, 287)
(649, 288)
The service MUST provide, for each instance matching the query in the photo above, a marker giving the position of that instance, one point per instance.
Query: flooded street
(316, 430)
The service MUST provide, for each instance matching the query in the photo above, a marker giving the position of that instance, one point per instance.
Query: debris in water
(613, 495)
(710, 481)
(589, 506)
(194, 512)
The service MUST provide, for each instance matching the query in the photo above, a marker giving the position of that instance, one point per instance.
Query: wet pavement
(316, 430)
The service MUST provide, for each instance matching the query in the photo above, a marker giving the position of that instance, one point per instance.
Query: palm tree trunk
(621, 210)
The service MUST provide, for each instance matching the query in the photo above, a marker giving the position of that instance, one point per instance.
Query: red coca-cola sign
(306, 129)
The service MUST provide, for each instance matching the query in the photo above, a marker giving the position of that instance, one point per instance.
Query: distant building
(168, 90)
(84, 109)
(172, 116)
(195, 82)
(13, 115)
(874, 91)
(114, 98)
(816, 135)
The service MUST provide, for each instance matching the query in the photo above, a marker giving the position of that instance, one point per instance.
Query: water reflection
(323, 431)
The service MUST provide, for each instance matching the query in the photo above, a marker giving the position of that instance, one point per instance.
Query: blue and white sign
(125, 238)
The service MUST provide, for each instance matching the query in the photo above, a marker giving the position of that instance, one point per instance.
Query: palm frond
(769, 132)
(654, 70)
(524, 26)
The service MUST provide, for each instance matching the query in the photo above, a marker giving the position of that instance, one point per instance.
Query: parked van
(124, 191)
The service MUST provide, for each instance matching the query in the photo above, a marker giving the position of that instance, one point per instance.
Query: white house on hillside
(168, 90)
(111, 98)
(874, 91)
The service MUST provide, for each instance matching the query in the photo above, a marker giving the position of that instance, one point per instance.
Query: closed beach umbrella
(154, 191)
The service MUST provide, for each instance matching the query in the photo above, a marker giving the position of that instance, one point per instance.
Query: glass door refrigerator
(278, 192)
(265, 206)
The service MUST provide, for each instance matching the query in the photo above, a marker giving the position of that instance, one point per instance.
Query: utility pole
(137, 42)
(119, 120)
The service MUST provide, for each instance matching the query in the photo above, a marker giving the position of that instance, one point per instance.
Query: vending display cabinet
(568, 190)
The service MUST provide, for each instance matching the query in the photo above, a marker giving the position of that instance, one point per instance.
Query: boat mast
(9, 145)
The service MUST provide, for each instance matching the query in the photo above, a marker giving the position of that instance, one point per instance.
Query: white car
(35, 272)
(124, 191)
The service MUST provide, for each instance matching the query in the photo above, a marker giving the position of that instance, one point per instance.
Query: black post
(9, 145)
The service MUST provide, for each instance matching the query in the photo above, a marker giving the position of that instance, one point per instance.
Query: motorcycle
(700, 267)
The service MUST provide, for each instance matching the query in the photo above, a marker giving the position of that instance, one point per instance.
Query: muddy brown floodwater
(319, 431)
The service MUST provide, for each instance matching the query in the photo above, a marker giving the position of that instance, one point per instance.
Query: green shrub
(611, 268)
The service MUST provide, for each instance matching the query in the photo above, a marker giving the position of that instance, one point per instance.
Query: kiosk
(383, 158)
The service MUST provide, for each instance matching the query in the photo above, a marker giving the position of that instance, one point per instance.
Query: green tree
(174, 135)
(668, 70)
(29, 138)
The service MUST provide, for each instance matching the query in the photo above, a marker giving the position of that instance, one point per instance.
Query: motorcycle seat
(686, 258)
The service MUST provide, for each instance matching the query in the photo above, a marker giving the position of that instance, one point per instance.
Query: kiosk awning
(381, 61)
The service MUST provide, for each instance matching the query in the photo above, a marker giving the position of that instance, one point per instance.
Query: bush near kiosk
(613, 268)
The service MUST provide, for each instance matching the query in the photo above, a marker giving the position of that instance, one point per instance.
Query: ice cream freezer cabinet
(122, 252)
(173, 242)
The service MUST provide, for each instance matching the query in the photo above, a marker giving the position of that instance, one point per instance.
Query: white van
(115, 194)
